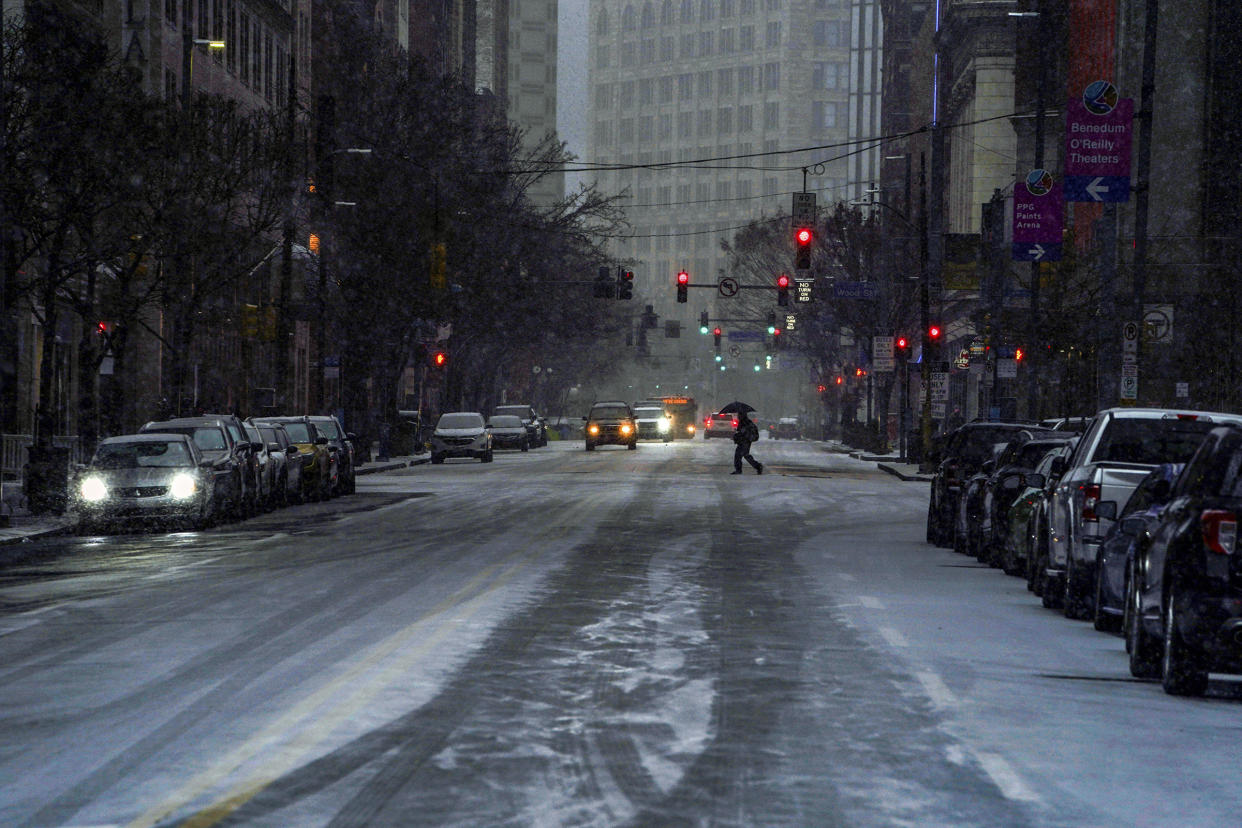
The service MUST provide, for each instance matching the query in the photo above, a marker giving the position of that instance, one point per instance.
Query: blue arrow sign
(1098, 188)
(746, 336)
(1028, 252)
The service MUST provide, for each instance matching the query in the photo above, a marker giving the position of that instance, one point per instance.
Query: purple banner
(1038, 209)
(1097, 142)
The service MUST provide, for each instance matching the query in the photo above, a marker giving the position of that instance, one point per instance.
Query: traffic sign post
(803, 290)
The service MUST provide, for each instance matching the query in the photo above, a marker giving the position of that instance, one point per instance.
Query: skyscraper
(700, 104)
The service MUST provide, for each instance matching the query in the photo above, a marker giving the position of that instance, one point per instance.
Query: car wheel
(525, 446)
(933, 531)
(1144, 660)
(283, 499)
(590, 447)
(632, 445)
(1073, 602)
(959, 542)
(206, 516)
(1181, 667)
(1101, 620)
(87, 527)
(437, 459)
(352, 485)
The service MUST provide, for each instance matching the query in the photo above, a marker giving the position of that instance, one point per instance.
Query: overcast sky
(571, 74)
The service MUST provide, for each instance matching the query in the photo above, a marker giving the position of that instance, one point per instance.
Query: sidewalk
(22, 526)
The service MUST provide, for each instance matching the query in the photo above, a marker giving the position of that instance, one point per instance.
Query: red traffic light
(717, 332)
(782, 281)
(933, 332)
(683, 278)
(1018, 353)
(439, 359)
(803, 236)
(821, 388)
(840, 380)
(902, 343)
(776, 332)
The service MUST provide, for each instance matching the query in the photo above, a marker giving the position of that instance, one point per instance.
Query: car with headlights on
(610, 422)
(461, 434)
(509, 432)
(152, 477)
(653, 423)
(318, 473)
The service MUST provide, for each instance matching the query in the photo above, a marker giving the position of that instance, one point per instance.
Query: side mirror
(321, 441)
(291, 450)
(273, 447)
(206, 463)
(1058, 466)
(1131, 527)
(349, 435)
(584, 419)
(256, 446)
(1034, 480)
(1106, 509)
(1011, 482)
(988, 466)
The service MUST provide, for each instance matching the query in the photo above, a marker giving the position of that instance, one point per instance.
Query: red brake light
(1220, 531)
(1090, 499)
(735, 423)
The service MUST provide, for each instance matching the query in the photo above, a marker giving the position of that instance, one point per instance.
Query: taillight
(1090, 499)
(1220, 530)
(735, 423)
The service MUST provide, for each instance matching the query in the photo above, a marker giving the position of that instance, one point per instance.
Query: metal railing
(13, 452)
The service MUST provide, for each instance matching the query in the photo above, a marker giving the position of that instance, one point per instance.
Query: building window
(724, 190)
(625, 131)
(244, 49)
(666, 89)
(747, 7)
(627, 94)
(603, 96)
(603, 133)
(746, 39)
(601, 23)
(831, 33)
(745, 80)
(268, 77)
(745, 118)
(666, 195)
(646, 52)
(667, 48)
(648, 15)
(230, 37)
(705, 122)
(726, 8)
(824, 114)
(771, 115)
(687, 46)
(646, 92)
(771, 76)
(646, 129)
(666, 12)
(282, 76)
(601, 56)
(724, 120)
(724, 81)
(687, 11)
(705, 43)
(685, 125)
(202, 31)
(665, 132)
(726, 41)
(217, 22)
(170, 11)
(772, 37)
(743, 185)
(774, 5)
(685, 86)
(705, 84)
(769, 186)
(628, 53)
(825, 75)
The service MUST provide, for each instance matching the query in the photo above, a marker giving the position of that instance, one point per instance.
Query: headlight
(625, 428)
(593, 429)
(690, 428)
(183, 485)
(663, 424)
(93, 490)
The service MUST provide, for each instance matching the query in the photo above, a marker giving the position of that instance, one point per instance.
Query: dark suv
(611, 422)
(536, 426)
(962, 454)
(1183, 614)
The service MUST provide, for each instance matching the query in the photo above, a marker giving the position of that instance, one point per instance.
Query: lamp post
(188, 42)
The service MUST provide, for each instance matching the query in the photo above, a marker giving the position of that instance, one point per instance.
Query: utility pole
(284, 363)
(1035, 345)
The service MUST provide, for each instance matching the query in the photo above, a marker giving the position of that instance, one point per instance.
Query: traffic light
(840, 380)
(683, 285)
(1018, 354)
(776, 339)
(438, 359)
(704, 323)
(804, 237)
(716, 333)
(625, 284)
(901, 348)
(605, 288)
(821, 388)
(933, 333)
(782, 290)
(771, 322)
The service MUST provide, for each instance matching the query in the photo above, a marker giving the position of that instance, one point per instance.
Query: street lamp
(188, 42)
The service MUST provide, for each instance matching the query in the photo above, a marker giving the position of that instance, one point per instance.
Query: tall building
(532, 83)
(742, 82)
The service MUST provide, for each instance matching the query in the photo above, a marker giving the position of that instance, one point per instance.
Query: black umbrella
(737, 407)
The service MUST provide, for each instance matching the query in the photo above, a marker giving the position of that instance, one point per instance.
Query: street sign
(803, 210)
(1098, 139)
(1158, 324)
(963, 360)
(939, 386)
(1038, 218)
(746, 336)
(1006, 368)
(882, 354)
(1183, 390)
(728, 286)
(735, 350)
(791, 321)
(854, 290)
(802, 289)
(1130, 332)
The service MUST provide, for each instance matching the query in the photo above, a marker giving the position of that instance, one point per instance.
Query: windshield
(145, 454)
(977, 444)
(207, 438)
(460, 421)
(299, 432)
(1131, 440)
(328, 429)
(648, 413)
(506, 421)
(519, 411)
(609, 412)
(269, 435)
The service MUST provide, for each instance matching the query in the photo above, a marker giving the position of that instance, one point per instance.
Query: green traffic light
(703, 329)
(719, 358)
(757, 369)
(771, 329)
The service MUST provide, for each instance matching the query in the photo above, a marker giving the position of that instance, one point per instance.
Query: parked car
(653, 423)
(461, 434)
(286, 457)
(342, 443)
(786, 428)
(1025, 516)
(509, 432)
(1113, 560)
(1002, 488)
(1184, 602)
(227, 449)
(959, 455)
(610, 422)
(318, 473)
(1117, 451)
(237, 431)
(971, 530)
(719, 425)
(157, 477)
(266, 468)
(535, 424)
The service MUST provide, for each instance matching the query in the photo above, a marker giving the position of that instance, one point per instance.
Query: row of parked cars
(197, 471)
(1130, 523)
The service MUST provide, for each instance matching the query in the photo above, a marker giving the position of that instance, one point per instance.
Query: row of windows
(705, 123)
(691, 86)
(685, 12)
(826, 34)
(251, 51)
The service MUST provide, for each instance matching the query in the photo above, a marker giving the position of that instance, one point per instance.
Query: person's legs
(738, 452)
(754, 464)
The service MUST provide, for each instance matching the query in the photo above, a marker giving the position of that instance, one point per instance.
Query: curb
(42, 533)
(902, 475)
(417, 461)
